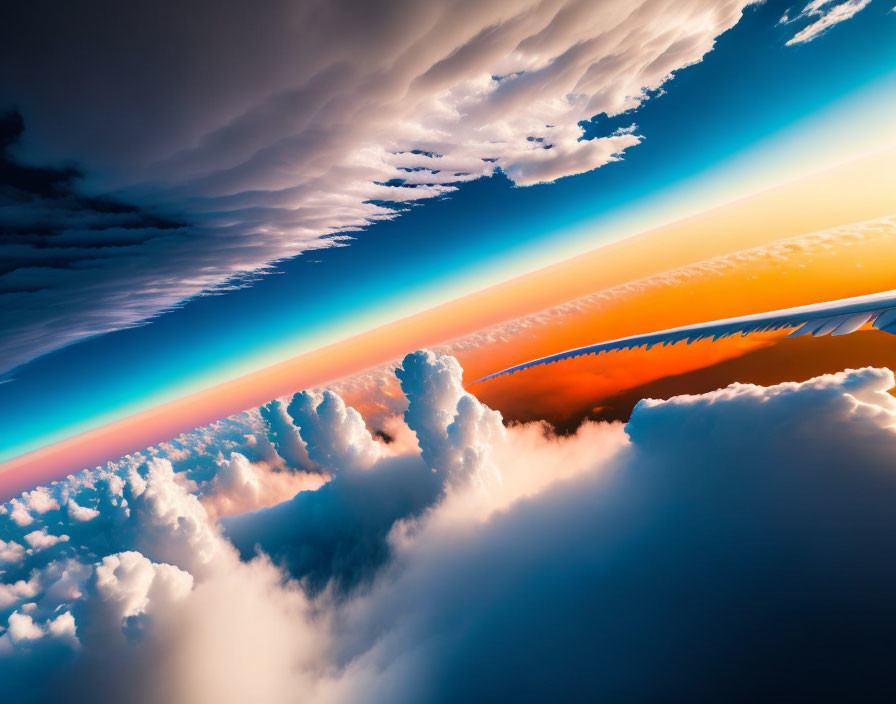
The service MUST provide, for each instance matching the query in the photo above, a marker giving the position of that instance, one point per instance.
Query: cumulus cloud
(10, 551)
(81, 513)
(40, 501)
(40, 539)
(456, 432)
(14, 592)
(285, 436)
(19, 513)
(240, 486)
(335, 436)
(126, 584)
(21, 628)
(278, 129)
(338, 535)
(735, 543)
(824, 14)
(164, 587)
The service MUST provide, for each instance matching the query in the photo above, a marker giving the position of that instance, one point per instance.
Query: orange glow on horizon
(823, 200)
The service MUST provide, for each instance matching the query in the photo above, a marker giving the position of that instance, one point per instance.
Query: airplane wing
(831, 318)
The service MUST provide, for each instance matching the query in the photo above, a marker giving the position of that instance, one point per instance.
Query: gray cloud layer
(261, 132)
(729, 546)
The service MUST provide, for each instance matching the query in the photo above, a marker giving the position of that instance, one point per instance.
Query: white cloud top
(676, 539)
(824, 14)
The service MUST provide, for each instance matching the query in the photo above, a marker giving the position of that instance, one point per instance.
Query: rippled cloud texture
(703, 548)
(231, 136)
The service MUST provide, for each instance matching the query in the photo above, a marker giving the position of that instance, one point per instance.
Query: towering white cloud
(335, 436)
(456, 432)
(285, 436)
(739, 531)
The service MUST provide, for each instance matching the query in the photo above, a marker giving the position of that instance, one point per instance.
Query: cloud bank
(730, 545)
(230, 137)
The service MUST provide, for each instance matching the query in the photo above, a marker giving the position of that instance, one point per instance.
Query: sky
(256, 259)
(811, 240)
(716, 122)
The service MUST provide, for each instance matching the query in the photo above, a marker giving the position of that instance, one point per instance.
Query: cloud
(742, 533)
(126, 583)
(40, 501)
(158, 591)
(10, 551)
(737, 541)
(825, 14)
(22, 627)
(278, 130)
(14, 592)
(336, 537)
(285, 436)
(40, 539)
(240, 486)
(80, 513)
(335, 436)
(18, 512)
(64, 253)
(455, 432)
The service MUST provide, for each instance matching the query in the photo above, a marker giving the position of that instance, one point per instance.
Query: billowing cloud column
(456, 432)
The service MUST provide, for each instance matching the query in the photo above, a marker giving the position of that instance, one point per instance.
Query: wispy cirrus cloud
(823, 14)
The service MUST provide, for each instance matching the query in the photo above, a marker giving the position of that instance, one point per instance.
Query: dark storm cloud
(62, 251)
(254, 132)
